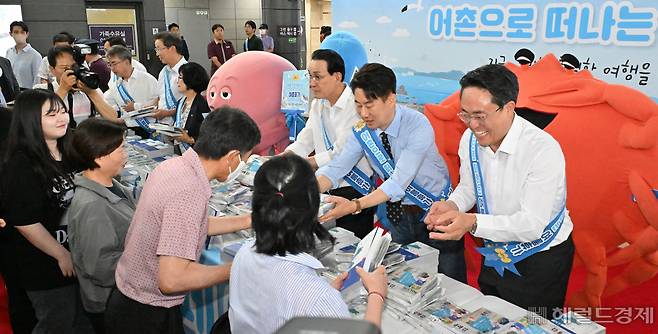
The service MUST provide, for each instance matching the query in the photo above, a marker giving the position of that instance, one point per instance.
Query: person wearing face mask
(268, 41)
(100, 212)
(513, 173)
(24, 59)
(170, 226)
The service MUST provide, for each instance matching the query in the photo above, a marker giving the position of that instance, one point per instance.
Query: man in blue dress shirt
(408, 139)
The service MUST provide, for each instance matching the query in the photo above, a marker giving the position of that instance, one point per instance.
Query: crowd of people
(80, 254)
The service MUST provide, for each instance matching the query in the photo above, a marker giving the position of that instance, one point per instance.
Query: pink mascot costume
(251, 81)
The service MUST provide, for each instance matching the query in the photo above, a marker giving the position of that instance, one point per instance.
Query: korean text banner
(431, 44)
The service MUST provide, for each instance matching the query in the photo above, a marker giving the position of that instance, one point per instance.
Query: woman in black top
(37, 189)
(192, 80)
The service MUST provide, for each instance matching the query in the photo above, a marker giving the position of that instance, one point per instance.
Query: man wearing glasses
(513, 173)
(399, 143)
(331, 117)
(167, 48)
(132, 89)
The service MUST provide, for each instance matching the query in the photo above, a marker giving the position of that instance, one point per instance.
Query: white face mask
(233, 175)
(20, 38)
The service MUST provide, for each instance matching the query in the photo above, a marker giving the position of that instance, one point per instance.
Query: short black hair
(376, 80)
(95, 138)
(19, 24)
(497, 79)
(169, 40)
(264, 26)
(69, 35)
(115, 40)
(325, 30)
(335, 62)
(285, 207)
(251, 23)
(195, 77)
(173, 25)
(224, 130)
(61, 38)
(56, 52)
(215, 26)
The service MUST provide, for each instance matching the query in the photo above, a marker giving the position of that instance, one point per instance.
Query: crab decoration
(609, 136)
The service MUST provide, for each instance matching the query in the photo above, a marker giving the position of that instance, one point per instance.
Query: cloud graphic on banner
(383, 20)
(401, 33)
(348, 25)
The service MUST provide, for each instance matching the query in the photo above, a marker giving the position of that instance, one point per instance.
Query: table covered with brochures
(419, 300)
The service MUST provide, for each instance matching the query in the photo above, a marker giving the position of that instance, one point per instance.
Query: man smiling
(399, 143)
(514, 174)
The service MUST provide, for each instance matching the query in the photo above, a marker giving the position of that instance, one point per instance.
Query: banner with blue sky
(431, 44)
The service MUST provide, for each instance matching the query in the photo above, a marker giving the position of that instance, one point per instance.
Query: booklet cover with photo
(369, 254)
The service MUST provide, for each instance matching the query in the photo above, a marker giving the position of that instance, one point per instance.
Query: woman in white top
(273, 278)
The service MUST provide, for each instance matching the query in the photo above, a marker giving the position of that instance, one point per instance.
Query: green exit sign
(292, 40)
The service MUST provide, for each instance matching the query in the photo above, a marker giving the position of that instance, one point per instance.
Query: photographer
(95, 62)
(76, 86)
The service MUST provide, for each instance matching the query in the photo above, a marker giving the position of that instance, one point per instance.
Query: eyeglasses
(158, 50)
(479, 117)
(315, 77)
(115, 63)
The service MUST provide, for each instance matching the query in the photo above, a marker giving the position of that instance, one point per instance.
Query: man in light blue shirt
(24, 59)
(408, 138)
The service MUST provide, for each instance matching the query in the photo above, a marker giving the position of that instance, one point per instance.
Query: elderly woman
(273, 279)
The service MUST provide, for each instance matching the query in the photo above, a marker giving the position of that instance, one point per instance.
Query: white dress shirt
(141, 86)
(81, 103)
(25, 64)
(524, 181)
(267, 291)
(44, 70)
(173, 79)
(338, 122)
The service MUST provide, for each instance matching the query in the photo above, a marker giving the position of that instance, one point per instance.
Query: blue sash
(373, 148)
(125, 96)
(356, 177)
(170, 100)
(294, 121)
(503, 255)
(179, 112)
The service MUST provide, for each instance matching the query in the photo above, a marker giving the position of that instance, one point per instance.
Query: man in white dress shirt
(133, 89)
(513, 173)
(331, 117)
(168, 49)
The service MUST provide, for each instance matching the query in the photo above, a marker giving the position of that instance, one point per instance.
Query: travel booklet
(438, 313)
(532, 325)
(410, 288)
(481, 320)
(369, 254)
(140, 113)
(166, 130)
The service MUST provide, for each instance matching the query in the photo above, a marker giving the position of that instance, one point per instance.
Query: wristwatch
(474, 227)
(358, 206)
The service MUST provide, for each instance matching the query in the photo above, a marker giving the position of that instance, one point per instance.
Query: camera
(89, 78)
